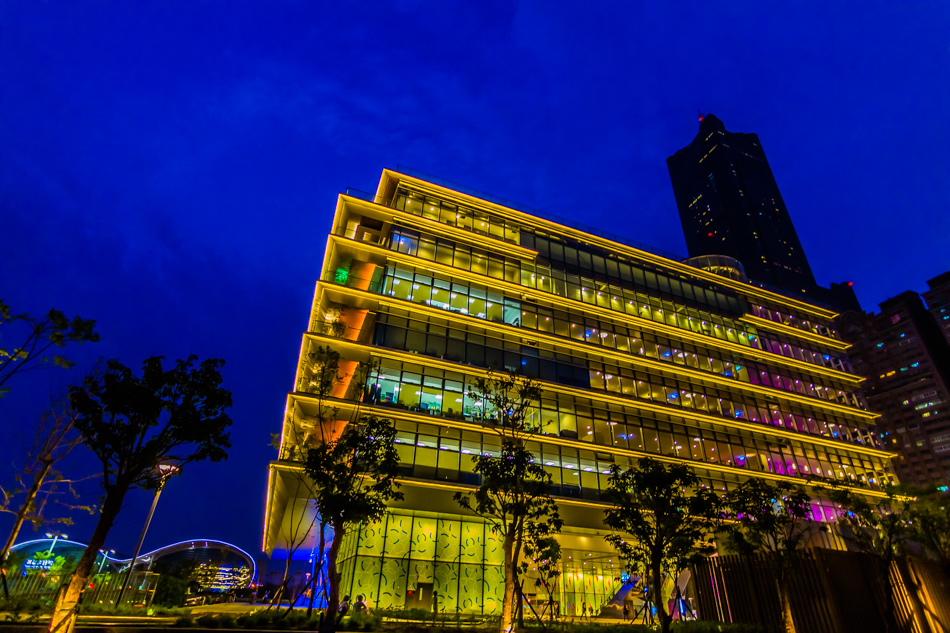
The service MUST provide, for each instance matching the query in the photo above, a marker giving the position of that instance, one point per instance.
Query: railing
(363, 195)
(42, 586)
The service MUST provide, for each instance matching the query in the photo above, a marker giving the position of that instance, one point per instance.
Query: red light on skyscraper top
(709, 234)
(701, 117)
(850, 283)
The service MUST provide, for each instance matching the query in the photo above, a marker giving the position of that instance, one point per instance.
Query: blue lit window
(880, 344)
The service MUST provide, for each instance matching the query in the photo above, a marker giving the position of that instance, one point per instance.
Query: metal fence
(830, 592)
(103, 588)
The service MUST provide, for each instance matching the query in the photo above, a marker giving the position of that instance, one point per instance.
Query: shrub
(183, 621)
(207, 621)
(295, 619)
(28, 609)
(226, 621)
(170, 592)
(708, 626)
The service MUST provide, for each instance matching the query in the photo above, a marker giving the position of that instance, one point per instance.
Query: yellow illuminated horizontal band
(602, 352)
(794, 332)
(609, 245)
(437, 228)
(752, 427)
(424, 483)
(406, 416)
(271, 491)
(579, 307)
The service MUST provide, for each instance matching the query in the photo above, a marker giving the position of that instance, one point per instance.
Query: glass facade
(636, 356)
(406, 555)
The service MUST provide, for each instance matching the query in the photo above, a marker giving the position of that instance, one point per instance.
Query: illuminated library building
(637, 356)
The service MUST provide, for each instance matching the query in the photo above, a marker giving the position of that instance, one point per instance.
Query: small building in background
(36, 568)
(905, 353)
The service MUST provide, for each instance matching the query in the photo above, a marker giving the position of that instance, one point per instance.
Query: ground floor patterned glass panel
(407, 561)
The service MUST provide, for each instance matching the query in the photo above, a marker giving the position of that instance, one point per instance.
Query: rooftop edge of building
(939, 280)
(828, 305)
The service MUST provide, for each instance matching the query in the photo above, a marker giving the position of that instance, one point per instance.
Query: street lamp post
(166, 470)
(55, 536)
(102, 563)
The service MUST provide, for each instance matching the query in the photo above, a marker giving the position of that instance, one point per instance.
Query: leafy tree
(515, 499)
(880, 528)
(931, 525)
(515, 494)
(323, 376)
(133, 425)
(510, 404)
(41, 483)
(354, 477)
(772, 519)
(170, 592)
(54, 330)
(665, 518)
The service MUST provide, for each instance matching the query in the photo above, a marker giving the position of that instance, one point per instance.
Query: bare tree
(41, 483)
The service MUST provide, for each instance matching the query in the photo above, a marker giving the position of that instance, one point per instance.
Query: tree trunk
(285, 581)
(788, 622)
(519, 596)
(66, 608)
(656, 572)
(317, 569)
(506, 623)
(884, 569)
(333, 581)
(24, 509)
(21, 518)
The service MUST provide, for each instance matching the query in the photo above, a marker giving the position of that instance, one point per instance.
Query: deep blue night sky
(170, 168)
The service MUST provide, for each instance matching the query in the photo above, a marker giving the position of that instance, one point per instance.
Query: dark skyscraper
(730, 204)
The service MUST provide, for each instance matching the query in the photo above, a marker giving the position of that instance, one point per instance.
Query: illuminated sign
(42, 565)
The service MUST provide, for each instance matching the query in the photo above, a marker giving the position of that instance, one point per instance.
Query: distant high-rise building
(729, 204)
(907, 363)
(938, 301)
